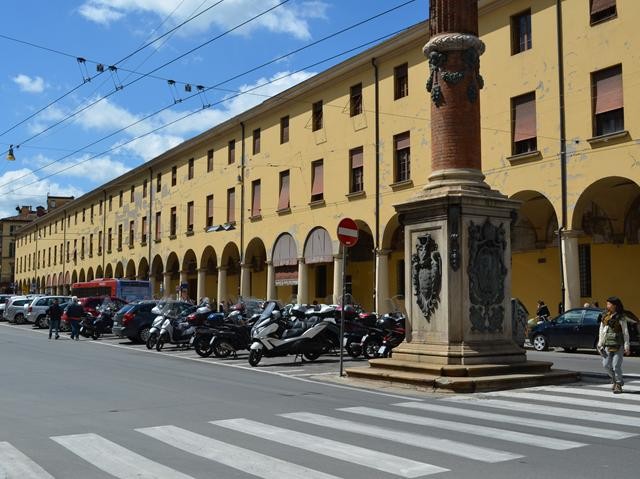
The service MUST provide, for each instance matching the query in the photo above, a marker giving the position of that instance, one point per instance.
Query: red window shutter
(283, 200)
(598, 6)
(608, 86)
(318, 183)
(524, 118)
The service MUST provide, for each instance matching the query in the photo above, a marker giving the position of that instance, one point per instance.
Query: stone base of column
(486, 352)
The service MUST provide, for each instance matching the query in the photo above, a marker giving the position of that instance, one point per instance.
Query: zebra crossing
(422, 430)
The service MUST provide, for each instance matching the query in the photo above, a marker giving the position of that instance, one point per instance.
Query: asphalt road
(98, 409)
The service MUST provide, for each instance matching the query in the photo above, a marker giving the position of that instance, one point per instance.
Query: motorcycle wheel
(83, 332)
(353, 351)
(311, 356)
(95, 336)
(159, 344)
(152, 340)
(202, 346)
(221, 349)
(255, 356)
(370, 348)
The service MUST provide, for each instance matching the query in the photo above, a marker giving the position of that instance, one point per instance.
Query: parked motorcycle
(233, 336)
(163, 310)
(273, 335)
(388, 333)
(204, 332)
(94, 327)
(175, 330)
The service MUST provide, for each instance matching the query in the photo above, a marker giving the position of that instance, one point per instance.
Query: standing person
(55, 313)
(613, 341)
(74, 314)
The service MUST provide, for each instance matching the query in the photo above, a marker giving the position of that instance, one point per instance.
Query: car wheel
(540, 343)
(143, 334)
(19, 318)
(41, 322)
(570, 350)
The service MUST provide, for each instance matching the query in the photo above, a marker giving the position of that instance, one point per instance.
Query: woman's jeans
(613, 364)
(54, 326)
(75, 328)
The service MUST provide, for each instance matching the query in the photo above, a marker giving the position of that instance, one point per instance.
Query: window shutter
(255, 206)
(318, 183)
(357, 157)
(598, 6)
(283, 200)
(524, 118)
(608, 85)
(403, 141)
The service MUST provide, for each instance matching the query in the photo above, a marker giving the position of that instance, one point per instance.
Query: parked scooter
(175, 330)
(204, 332)
(272, 335)
(94, 327)
(163, 310)
(233, 336)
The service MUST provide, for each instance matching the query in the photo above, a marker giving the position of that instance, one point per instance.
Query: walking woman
(613, 341)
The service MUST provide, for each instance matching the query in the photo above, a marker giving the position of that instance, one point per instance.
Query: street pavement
(106, 408)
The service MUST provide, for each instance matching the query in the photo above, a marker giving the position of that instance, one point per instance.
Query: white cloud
(15, 190)
(95, 170)
(28, 84)
(285, 19)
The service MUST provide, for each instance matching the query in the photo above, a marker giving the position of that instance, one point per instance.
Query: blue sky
(75, 144)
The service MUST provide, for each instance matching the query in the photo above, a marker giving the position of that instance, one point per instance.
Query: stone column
(152, 283)
(184, 277)
(202, 279)
(382, 281)
(167, 285)
(245, 280)
(303, 286)
(222, 285)
(338, 285)
(271, 281)
(571, 269)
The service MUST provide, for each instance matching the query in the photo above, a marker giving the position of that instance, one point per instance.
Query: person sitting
(542, 311)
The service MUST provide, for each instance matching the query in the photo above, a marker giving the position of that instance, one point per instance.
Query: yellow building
(251, 206)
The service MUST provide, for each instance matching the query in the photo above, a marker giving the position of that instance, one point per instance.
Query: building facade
(250, 207)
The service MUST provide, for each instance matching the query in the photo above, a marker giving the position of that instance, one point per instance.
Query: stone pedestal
(457, 245)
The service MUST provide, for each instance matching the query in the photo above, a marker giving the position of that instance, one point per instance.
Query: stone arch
(534, 225)
(209, 264)
(392, 253)
(189, 271)
(67, 278)
(361, 267)
(143, 269)
(284, 257)
(131, 270)
(318, 256)
(632, 223)
(157, 273)
(82, 276)
(171, 275)
(99, 272)
(90, 276)
(119, 271)
(230, 261)
(108, 271)
(74, 277)
(255, 259)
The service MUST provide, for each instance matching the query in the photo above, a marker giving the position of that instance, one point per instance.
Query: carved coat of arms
(426, 265)
(487, 272)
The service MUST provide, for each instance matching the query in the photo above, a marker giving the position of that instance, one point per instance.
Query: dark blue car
(576, 328)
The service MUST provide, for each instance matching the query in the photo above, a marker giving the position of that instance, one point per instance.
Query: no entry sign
(348, 232)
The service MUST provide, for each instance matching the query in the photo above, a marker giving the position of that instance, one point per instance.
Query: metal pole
(344, 294)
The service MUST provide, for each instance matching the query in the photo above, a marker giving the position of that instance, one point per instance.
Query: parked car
(15, 310)
(37, 310)
(519, 318)
(91, 305)
(134, 320)
(3, 302)
(576, 328)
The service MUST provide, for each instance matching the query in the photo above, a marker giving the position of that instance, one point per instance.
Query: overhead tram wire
(345, 52)
(145, 75)
(217, 85)
(145, 45)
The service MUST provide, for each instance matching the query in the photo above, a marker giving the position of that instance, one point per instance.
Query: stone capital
(448, 42)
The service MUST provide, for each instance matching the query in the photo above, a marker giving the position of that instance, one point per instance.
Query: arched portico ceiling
(256, 254)
(601, 210)
(189, 261)
(81, 276)
(119, 272)
(49, 281)
(363, 249)
(74, 277)
(173, 264)
(209, 260)
(131, 269)
(393, 235)
(143, 268)
(536, 225)
(67, 278)
(285, 251)
(108, 271)
(54, 280)
(318, 247)
(99, 272)
(90, 276)
(230, 256)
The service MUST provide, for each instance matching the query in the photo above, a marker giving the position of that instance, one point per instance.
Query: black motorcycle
(233, 336)
(204, 332)
(388, 333)
(93, 327)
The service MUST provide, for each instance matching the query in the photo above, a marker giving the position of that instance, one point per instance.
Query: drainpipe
(563, 146)
(376, 247)
(241, 178)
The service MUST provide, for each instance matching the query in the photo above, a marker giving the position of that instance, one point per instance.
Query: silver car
(37, 310)
(3, 302)
(15, 311)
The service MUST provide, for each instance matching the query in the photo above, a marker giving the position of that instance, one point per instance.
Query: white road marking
(334, 449)
(16, 465)
(589, 392)
(564, 412)
(116, 460)
(627, 387)
(232, 456)
(567, 400)
(466, 450)
(473, 429)
(519, 420)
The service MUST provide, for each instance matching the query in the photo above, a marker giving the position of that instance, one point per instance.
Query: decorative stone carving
(426, 265)
(436, 51)
(487, 272)
(454, 237)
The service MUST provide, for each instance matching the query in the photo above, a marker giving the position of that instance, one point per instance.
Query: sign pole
(344, 294)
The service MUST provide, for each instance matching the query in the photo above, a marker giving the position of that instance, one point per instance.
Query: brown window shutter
(318, 183)
(524, 117)
(283, 200)
(403, 141)
(608, 86)
(231, 208)
(255, 205)
(357, 157)
(598, 6)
